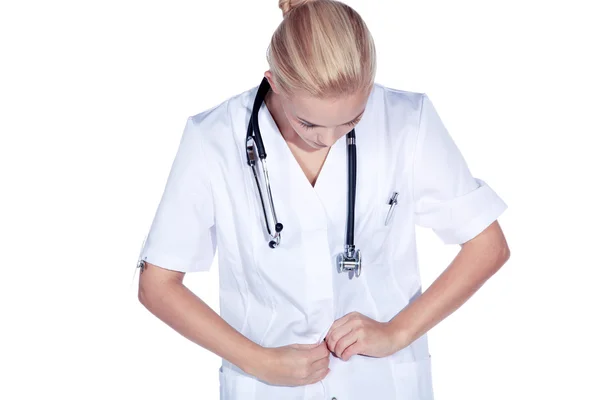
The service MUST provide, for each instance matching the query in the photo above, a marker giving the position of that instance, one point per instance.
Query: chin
(312, 144)
(317, 147)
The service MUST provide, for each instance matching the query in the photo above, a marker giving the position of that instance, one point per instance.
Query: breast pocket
(378, 224)
(386, 214)
(382, 222)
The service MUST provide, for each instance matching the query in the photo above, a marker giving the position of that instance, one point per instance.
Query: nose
(328, 139)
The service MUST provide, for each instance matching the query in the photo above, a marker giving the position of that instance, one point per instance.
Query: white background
(94, 97)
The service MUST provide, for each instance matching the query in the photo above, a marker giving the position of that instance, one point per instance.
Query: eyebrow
(347, 123)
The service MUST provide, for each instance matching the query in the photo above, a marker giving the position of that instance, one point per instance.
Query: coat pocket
(373, 238)
(384, 217)
(413, 379)
(235, 385)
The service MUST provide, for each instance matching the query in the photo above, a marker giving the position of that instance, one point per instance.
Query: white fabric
(294, 293)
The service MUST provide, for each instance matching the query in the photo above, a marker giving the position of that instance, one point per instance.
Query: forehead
(328, 112)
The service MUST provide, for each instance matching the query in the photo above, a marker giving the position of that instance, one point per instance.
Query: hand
(295, 364)
(355, 333)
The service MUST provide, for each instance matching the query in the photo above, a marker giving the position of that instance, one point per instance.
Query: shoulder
(397, 100)
(213, 121)
(397, 112)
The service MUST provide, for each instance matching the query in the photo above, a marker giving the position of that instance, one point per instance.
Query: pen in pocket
(392, 203)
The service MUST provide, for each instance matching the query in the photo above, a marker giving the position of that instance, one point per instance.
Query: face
(321, 122)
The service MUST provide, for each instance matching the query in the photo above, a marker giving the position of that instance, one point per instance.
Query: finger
(346, 342)
(336, 335)
(319, 352)
(350, 351)
(342, 321)
(317, 376)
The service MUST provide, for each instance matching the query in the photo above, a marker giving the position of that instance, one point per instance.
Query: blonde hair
(323, 48)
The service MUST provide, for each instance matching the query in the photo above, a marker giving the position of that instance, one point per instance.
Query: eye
(306, 126)
(309, 126)
(356, 121)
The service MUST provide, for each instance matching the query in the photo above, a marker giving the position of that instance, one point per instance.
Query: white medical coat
(293, 294)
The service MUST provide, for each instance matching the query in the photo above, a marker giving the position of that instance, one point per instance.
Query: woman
(296, 323)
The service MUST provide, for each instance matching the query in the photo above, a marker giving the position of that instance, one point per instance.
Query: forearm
(180, 308)
(473, 266)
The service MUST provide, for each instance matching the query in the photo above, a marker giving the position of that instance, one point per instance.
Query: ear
(269, 77)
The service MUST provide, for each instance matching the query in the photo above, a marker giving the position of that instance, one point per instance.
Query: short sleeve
(448, 199)
(182, 234)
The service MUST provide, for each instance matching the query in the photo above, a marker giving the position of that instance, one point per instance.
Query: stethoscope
(347, 261)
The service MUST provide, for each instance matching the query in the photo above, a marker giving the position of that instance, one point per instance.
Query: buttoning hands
(294, 365)
(356, 333)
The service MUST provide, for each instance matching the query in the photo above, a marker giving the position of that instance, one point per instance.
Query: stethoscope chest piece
(350, 260)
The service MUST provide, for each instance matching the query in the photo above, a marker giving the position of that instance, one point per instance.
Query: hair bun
(288, 5)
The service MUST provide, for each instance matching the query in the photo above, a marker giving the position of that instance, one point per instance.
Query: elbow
(149, 292)
(150, 295)
(494, 240)
(157, 283)
(503, 255)
(142, 294)
(146, 290)
(502, 245)
(489, 249)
